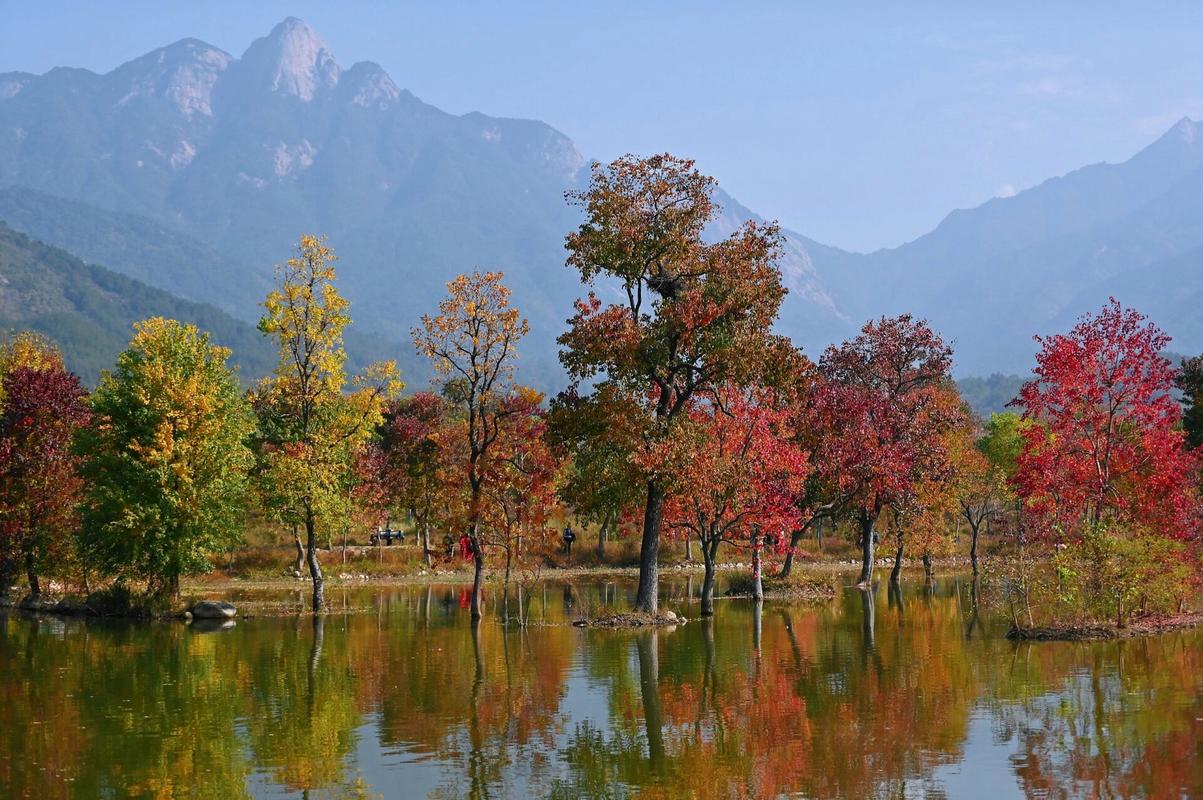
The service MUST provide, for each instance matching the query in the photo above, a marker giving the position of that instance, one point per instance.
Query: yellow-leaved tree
(312, 419)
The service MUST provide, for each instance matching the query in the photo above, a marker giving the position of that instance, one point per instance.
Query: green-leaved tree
(166, 459)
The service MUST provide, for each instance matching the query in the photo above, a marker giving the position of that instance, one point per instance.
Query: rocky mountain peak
(292, 60)
(1187, 129)
(182, 73)
(370, 85)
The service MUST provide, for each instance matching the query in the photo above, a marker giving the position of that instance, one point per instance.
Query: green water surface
(395, 694)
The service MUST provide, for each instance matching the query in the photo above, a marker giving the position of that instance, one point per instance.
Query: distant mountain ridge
(89, 311)
(226, 160)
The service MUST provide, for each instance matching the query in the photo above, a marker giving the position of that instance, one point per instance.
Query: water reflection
(917, 695)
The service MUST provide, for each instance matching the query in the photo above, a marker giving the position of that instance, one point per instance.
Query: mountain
(143, 249)
(195, 171)
(89, 311)
(989, 395)
(993, 276)
(244, 154)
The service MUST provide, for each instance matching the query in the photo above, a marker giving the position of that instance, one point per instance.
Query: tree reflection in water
(854, 699)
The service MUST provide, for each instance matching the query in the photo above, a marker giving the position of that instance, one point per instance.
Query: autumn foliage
(737, 475)
(43, 408)
(1107, 444)
(884, 410)
(692, 315)
(687, 417)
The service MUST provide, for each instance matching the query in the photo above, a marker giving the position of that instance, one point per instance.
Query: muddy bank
(815, 591)
(631, 619)
(1148, 626)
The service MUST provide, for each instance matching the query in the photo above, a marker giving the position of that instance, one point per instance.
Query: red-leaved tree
(739, 476)
(410, 463)
(1106, 445)
(881, 421)
(39, 489)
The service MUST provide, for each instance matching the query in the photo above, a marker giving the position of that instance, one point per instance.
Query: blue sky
(860, 128)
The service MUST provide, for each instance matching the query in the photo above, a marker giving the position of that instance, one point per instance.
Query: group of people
(465, 548)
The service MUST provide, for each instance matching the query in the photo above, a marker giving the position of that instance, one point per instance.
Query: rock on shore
(213, 609)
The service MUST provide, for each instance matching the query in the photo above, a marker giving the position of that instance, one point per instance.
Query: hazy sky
(858, 128)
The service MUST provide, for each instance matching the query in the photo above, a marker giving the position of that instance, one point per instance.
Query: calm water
(856, 699)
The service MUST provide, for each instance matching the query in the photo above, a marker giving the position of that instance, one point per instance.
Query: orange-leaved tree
(692, 315)
(42, 407)
(472, 343)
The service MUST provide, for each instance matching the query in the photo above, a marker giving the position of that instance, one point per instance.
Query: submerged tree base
(1147, 626)
(815, 590)
(632, 619)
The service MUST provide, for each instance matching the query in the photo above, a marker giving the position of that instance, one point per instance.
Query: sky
(859, 125)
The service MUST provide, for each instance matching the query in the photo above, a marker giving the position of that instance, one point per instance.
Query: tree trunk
(296, 537)
(973, 530)
(795, 539)
(757, 582)
(31, 573)
(601, 535)
(866, 518)
(647, 596)
(929, 571)
(315, 569)
(708, 582)
(896, 572)
(478, 572)
(426, 544)
(688, 549)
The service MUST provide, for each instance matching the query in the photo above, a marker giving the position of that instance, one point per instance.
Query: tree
(310, 427)
(693, 315)
(33, 350)
(738, 475)
(166, 464)
(1107, 446)
(981, 489)
(879, 399)
(472, 343)
(593, 435)
(520, 482)
(1190, 382)
(925, 522)
(411, 459)
(44, 407)
(1003, 441)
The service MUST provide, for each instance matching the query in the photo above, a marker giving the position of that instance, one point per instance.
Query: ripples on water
(887, 695)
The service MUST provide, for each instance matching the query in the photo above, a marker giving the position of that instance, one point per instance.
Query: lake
(394, 695)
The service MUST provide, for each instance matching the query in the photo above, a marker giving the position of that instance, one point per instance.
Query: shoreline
(1136, 629)
(335, 577)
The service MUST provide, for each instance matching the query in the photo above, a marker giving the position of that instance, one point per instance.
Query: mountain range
(89, 311)
(195, 171)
